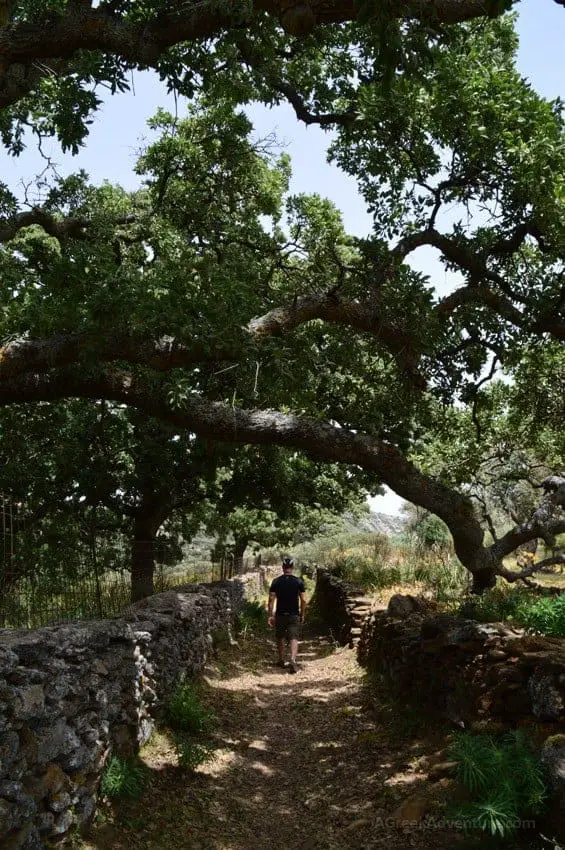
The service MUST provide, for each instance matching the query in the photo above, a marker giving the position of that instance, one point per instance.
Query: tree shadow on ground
(303, 761)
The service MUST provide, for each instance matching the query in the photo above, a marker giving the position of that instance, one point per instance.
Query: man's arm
(272, 600)
(303, 605)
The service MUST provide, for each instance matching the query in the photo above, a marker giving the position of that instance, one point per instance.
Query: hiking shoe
(281, 664)
(292, 666)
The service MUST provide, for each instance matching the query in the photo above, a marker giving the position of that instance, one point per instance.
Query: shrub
(499, 603)
(359, 569)
(186, 711)
(447, 579)
(504, 777)
(123, 778)
(252, 618)
(545, 615)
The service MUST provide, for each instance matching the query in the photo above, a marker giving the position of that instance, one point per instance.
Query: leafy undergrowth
(321, 760)
(540, 614)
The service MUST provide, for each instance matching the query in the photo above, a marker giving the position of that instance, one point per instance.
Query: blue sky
(119, 132)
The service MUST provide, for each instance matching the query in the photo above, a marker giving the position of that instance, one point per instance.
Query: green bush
(309, 582)
(192, 752)
(186, 712)
(504, 777)
(363, 571)
(545, 615)
(123, 778)
(448, 579)
(252, 618)
(500, 603)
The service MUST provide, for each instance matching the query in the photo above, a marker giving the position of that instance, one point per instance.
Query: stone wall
(340, 607)
(71, 694)
(465, 671)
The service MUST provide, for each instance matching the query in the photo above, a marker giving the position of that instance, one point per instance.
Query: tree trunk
(239, 548)
(142, 561)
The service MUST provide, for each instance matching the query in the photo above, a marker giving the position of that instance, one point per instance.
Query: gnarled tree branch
(317, 438)
(23, 356)
(231, 424)
(82, 28)
(60, 228)
(532, 569)
(356, 314)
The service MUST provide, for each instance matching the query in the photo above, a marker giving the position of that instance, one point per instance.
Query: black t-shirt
(288, 589)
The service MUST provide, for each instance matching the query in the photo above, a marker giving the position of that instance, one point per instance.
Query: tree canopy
(215, 301)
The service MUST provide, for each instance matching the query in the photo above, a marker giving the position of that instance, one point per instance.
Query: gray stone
(401, 606)
(63, 823)
(100, 668)
(33, 840)
(85, 809)
(11, 790)
(77, 759)
(29, 702)
(547, 702)
(27, 838)
(87, 727)
(101, 698)
(14, 792)
(26, 675)
(553, 758)
(496, 655)
(10, 817)
(45, 821)
(8, 660)
(9, 747)
(59, 687)
(69, 689)
(51, 741)
(59, 802)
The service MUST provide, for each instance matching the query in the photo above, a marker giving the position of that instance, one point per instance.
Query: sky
(119, 132)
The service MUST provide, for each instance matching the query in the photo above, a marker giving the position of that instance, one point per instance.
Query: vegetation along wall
(71, 694)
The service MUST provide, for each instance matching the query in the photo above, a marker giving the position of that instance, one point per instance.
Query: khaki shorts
(287, 626)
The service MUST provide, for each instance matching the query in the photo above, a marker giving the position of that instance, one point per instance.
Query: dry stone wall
(463, 670)
(71, 694)
(340, 607)
(482, 677)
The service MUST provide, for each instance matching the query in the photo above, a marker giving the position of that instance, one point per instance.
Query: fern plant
(123, 778)
(504, 776)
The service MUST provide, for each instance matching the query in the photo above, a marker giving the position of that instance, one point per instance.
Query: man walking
(287, 590)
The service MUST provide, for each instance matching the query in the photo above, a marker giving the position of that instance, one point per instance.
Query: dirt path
(305, 761)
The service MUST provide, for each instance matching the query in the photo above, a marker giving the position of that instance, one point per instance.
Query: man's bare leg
(280, 648)
(293, 650)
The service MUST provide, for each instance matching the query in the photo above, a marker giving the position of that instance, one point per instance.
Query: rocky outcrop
(71, 694)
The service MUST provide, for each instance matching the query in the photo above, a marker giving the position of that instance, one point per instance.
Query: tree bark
(32, 49)
(239, 548)
(142, 559)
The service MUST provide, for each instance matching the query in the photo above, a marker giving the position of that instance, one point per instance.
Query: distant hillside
(197, 551)
(375, 523)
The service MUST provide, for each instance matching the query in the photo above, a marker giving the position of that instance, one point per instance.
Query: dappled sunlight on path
(303, 761)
